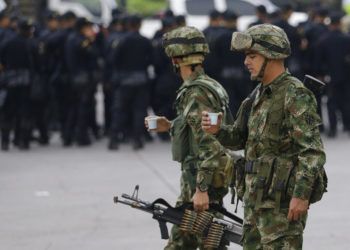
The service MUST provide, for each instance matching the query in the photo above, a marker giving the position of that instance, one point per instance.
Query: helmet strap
(261, 73)
(176, 68)
(176, 65)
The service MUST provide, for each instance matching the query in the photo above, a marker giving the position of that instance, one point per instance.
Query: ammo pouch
(180, 147)
(275, 179)
(223, 174)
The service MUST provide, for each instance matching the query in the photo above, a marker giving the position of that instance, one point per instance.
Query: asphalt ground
(62, 198)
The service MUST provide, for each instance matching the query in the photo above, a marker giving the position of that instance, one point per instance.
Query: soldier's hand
(200, 201)
(163, 124)
(297, 208)
(207, 126)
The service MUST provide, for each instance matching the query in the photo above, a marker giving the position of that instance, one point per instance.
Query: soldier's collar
(275, 84)
(195, 74)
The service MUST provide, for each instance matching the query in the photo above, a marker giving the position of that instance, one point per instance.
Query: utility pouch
(264, 168)
(180, 146)
(320, 186)
(223, 174)
(239, 177)
(283, 181)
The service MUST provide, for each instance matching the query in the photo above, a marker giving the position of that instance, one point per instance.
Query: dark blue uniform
(17, 60)
(110, 84)
(58, 73)
(293, 62)
(332, 58)
(81, 59)
(132, 58)
(166, 84)
(212, 61)
(233, 76)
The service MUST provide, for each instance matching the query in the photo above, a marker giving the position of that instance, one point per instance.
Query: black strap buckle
(279, 185)
(249, 167)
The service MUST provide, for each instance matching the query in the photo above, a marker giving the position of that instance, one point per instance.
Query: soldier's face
(253, 61)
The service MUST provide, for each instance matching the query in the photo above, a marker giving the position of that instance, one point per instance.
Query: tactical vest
(182, 143)
(184, 149)
(275, 173)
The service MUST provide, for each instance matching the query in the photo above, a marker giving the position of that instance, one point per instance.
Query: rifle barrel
(134, 204)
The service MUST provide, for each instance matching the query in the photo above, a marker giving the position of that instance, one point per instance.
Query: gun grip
(163, 229)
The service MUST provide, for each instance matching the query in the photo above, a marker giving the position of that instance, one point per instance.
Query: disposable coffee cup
(213, 118)
(152, 122)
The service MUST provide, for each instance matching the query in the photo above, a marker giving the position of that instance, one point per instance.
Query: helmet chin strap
(176, 66)
(261, 73)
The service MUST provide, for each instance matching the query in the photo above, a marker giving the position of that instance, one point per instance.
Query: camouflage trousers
(266, 229)
(184, 241)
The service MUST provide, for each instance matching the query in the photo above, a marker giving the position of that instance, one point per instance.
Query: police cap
(82, 22)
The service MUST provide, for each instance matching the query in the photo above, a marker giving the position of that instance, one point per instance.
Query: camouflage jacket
(202, 149)
(282, 127)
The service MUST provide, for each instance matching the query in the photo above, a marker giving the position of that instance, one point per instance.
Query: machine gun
(214, 231)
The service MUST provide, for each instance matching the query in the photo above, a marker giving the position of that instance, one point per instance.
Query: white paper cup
(213, 118)
(152, 122)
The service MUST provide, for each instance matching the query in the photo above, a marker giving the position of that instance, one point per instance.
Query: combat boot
(137, 144)
(5, 146)
(5, 139)
(113, 145)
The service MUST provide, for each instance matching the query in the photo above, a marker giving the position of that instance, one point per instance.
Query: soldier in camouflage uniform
(203, 160)
(277, 126)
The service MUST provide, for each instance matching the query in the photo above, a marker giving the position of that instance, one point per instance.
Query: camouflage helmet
(266, 39)
(186, 42)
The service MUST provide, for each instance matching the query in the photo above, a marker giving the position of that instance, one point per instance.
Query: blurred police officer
(212, 33)
(333, 59)
(132, 58)
(167, 81)
(261, 15)
(81, 55)
(293, 63)
(312, 34)
(233, 76)
(58, 79)
(117, 30)
(5, 31)
(17, 60)
(180, 21)
(45, 107)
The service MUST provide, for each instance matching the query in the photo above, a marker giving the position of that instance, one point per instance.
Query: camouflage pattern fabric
(285, 148)
(185, 41)
(265, 39)
(205, 152)
(267, 230)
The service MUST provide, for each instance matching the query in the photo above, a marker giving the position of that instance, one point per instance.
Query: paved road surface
(61, 199)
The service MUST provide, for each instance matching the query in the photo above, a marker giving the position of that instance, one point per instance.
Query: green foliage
(146, 7)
